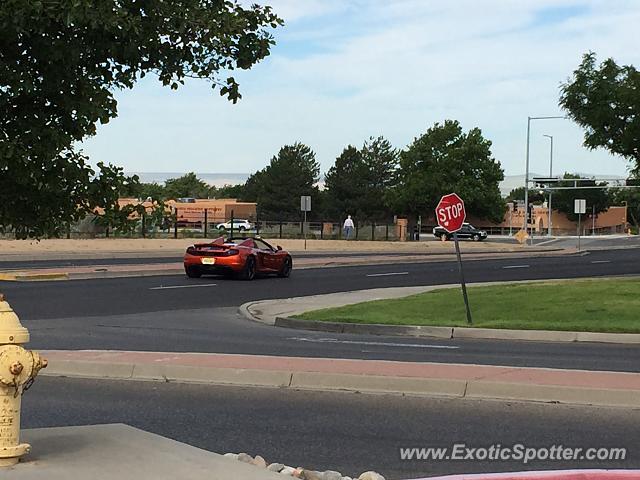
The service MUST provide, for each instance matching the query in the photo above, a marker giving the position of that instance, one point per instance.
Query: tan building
(614, 220)
(218, 210)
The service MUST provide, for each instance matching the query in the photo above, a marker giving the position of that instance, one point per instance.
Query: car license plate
(208, 261)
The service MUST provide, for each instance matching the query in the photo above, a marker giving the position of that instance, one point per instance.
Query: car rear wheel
(192, 271)
(287, 266)
(476, 238)
(249, 270)
(443, 237)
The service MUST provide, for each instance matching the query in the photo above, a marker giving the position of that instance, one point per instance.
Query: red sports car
(242, 258)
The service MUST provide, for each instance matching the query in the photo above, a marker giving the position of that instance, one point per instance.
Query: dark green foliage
(631, 198)
(564, 200)
(345, 185)
(228, 191)
(446, 160)
(605, 101)
(277, 187)
(188, 185)
(61, 63)
(535, 196)
(357, 183)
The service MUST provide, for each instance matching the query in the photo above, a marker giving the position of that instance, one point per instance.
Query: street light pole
(550, 137)
(526, 182)
(526, 174)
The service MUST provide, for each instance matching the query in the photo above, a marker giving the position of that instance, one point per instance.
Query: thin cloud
(345, 70)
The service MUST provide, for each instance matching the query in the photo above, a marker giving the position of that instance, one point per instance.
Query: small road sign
(579, 207)
(450, 213)
(305, 203)
(521, 236)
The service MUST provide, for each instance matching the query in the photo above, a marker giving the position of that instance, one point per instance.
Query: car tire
(476, 238)
(249, 270)
(193, 271)
(287, 266)
(241, 229)
(443, 237)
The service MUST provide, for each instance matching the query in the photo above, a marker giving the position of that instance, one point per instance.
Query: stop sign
(450, 213)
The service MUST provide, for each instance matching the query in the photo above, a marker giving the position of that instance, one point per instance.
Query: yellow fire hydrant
(18, 368)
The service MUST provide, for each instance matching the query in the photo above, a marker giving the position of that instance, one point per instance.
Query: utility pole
(550, 137)
(526, 174)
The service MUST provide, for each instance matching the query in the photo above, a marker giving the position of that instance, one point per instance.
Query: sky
(345, 70)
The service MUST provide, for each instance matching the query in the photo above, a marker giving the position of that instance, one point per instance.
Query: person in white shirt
(348, 227)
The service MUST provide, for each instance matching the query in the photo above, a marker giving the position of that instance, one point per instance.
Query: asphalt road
(168, 258)
(347, 432)
(172, 313)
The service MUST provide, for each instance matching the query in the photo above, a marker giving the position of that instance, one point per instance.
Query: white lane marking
(387, 274)
(601, 261)
(516, 266)
(184, 286)
(381, 344)
(547, 241)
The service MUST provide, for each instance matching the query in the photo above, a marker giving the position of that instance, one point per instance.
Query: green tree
(61, 63)
(535, 196)
(228, 191)
(563, 200)
(380, 164)
(158, 217)
(277, 187)
(358, 182)
(345, 185)
(188, 185)
(631, 198)
(605, 101)
(152, 190)
(105, 190)
(445, 160)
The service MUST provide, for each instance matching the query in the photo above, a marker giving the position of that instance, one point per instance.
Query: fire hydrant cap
(11, 330)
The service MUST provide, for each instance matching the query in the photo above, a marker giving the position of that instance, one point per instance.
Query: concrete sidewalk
(375, 376)
(117, 451)
(69, 248)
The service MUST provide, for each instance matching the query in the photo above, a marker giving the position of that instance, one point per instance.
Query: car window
(262, 245)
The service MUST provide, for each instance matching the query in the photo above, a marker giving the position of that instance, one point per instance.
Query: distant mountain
(513, 181)
(213, 179)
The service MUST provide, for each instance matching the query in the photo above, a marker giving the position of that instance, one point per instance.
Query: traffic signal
(515, 206)
(530, 212)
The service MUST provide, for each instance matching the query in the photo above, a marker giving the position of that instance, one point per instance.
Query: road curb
(477, 389)
(248, 310)
(456, 332)
(32, 277)
(369, 329)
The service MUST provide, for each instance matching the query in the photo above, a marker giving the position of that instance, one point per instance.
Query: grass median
(584, 305)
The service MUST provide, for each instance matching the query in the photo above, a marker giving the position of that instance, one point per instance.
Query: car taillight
(191, 250)
(231, 252)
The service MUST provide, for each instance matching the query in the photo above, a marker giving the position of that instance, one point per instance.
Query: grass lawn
(580, 305)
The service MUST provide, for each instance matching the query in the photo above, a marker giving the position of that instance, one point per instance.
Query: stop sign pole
(451, 214)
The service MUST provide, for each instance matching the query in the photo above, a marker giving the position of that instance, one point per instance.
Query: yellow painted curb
(32, 277)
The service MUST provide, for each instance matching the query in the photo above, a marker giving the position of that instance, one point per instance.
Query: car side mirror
(278, 248)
